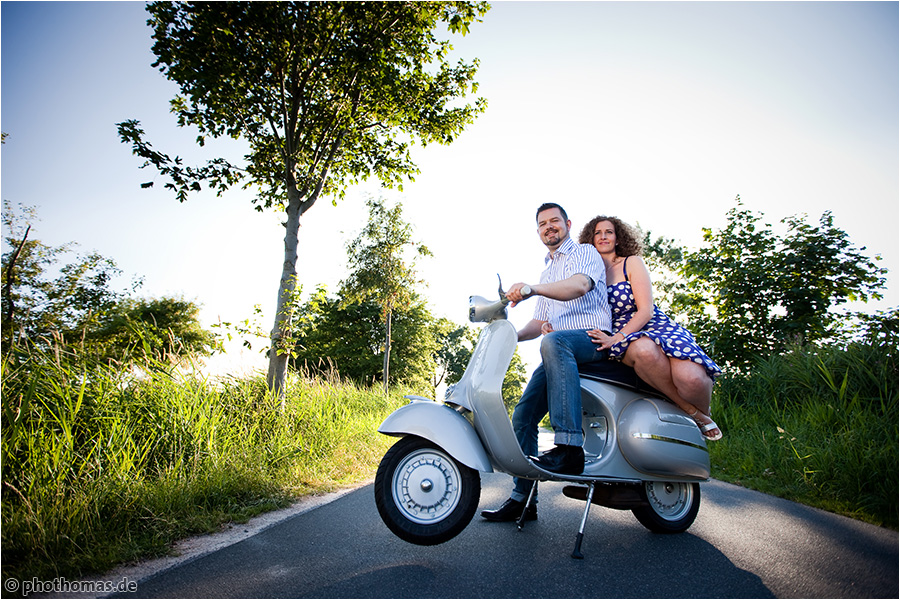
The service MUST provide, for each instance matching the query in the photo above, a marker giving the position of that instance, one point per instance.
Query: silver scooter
(642, 453)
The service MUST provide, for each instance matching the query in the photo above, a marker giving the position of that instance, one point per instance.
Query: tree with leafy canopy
(39, 306)
(750, 292)
(663, 257)
(382, 260)
(334, 335)
(165, 329)
(326, 94)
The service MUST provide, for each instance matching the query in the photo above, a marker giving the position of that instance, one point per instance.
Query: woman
(662, 353)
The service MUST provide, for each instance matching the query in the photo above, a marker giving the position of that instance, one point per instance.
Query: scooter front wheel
(670, 507)
(423, 494)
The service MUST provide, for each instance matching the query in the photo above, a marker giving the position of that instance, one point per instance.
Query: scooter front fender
(442, 425)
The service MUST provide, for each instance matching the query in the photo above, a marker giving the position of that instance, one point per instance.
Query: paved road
(743, 545)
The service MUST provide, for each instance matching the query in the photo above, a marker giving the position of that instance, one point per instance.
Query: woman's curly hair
(628, 239)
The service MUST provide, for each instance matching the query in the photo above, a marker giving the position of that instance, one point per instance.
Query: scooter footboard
(442, 425)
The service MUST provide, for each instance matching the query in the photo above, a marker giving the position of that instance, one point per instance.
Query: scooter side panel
(657, 438)
(442, 425)
(601, 405)
(631, 436)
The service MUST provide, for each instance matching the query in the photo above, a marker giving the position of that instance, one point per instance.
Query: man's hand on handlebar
(518, 292)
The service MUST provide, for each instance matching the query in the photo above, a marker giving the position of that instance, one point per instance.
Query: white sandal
(707, 427)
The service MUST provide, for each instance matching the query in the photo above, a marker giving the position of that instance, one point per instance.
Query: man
(572, 300)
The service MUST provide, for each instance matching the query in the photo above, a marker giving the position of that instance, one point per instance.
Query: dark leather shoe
(565, 460)
(510, 510)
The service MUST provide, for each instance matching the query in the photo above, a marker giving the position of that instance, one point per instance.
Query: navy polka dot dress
(675, 340)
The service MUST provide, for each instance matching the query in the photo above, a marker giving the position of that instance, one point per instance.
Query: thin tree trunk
(278, 361)
(7, 290)
(386, 372)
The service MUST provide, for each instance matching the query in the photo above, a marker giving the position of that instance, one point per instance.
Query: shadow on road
(527, 565)
(343, 550)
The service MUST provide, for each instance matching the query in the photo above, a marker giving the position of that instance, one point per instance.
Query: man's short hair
(548, 206)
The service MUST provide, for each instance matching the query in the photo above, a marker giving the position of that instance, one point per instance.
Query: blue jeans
(554, 387)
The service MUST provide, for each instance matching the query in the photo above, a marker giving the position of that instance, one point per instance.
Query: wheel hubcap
(670, 500)
(426, 486)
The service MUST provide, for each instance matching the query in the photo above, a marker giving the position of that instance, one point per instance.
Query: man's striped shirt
(590, 311)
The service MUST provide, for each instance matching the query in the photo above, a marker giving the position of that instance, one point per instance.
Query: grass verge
(102, 465)
(817, 426)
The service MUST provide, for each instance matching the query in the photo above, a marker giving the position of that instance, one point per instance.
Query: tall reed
(815, 425)
(103, 464)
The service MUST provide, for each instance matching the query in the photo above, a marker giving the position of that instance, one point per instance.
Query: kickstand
(520, 524)
(576, 553)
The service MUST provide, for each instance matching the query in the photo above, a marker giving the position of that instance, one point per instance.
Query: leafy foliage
(167, 328)
(36, 304)
(663, 257)
(381, 270)
(322, 89)
(878, 329)
(816, 424)
(325, 94)
(334, 335)
(52, 298)
(752, 293)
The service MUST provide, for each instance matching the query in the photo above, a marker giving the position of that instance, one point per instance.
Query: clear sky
(657, 112)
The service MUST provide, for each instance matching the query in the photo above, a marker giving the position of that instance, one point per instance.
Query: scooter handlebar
(482, 310)
(525, 290)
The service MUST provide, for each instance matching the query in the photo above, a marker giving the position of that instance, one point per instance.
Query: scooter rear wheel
(423, 494)
(671, 507)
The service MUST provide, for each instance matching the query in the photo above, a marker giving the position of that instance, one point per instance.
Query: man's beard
(554, 239)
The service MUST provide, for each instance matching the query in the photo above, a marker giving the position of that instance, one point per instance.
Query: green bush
(817, 425)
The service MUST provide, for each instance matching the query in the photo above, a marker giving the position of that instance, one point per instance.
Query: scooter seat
(613, 371)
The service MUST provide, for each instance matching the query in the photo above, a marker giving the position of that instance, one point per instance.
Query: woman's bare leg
(692, 382)
(695, 386)
(652, 365)
(684, 382)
